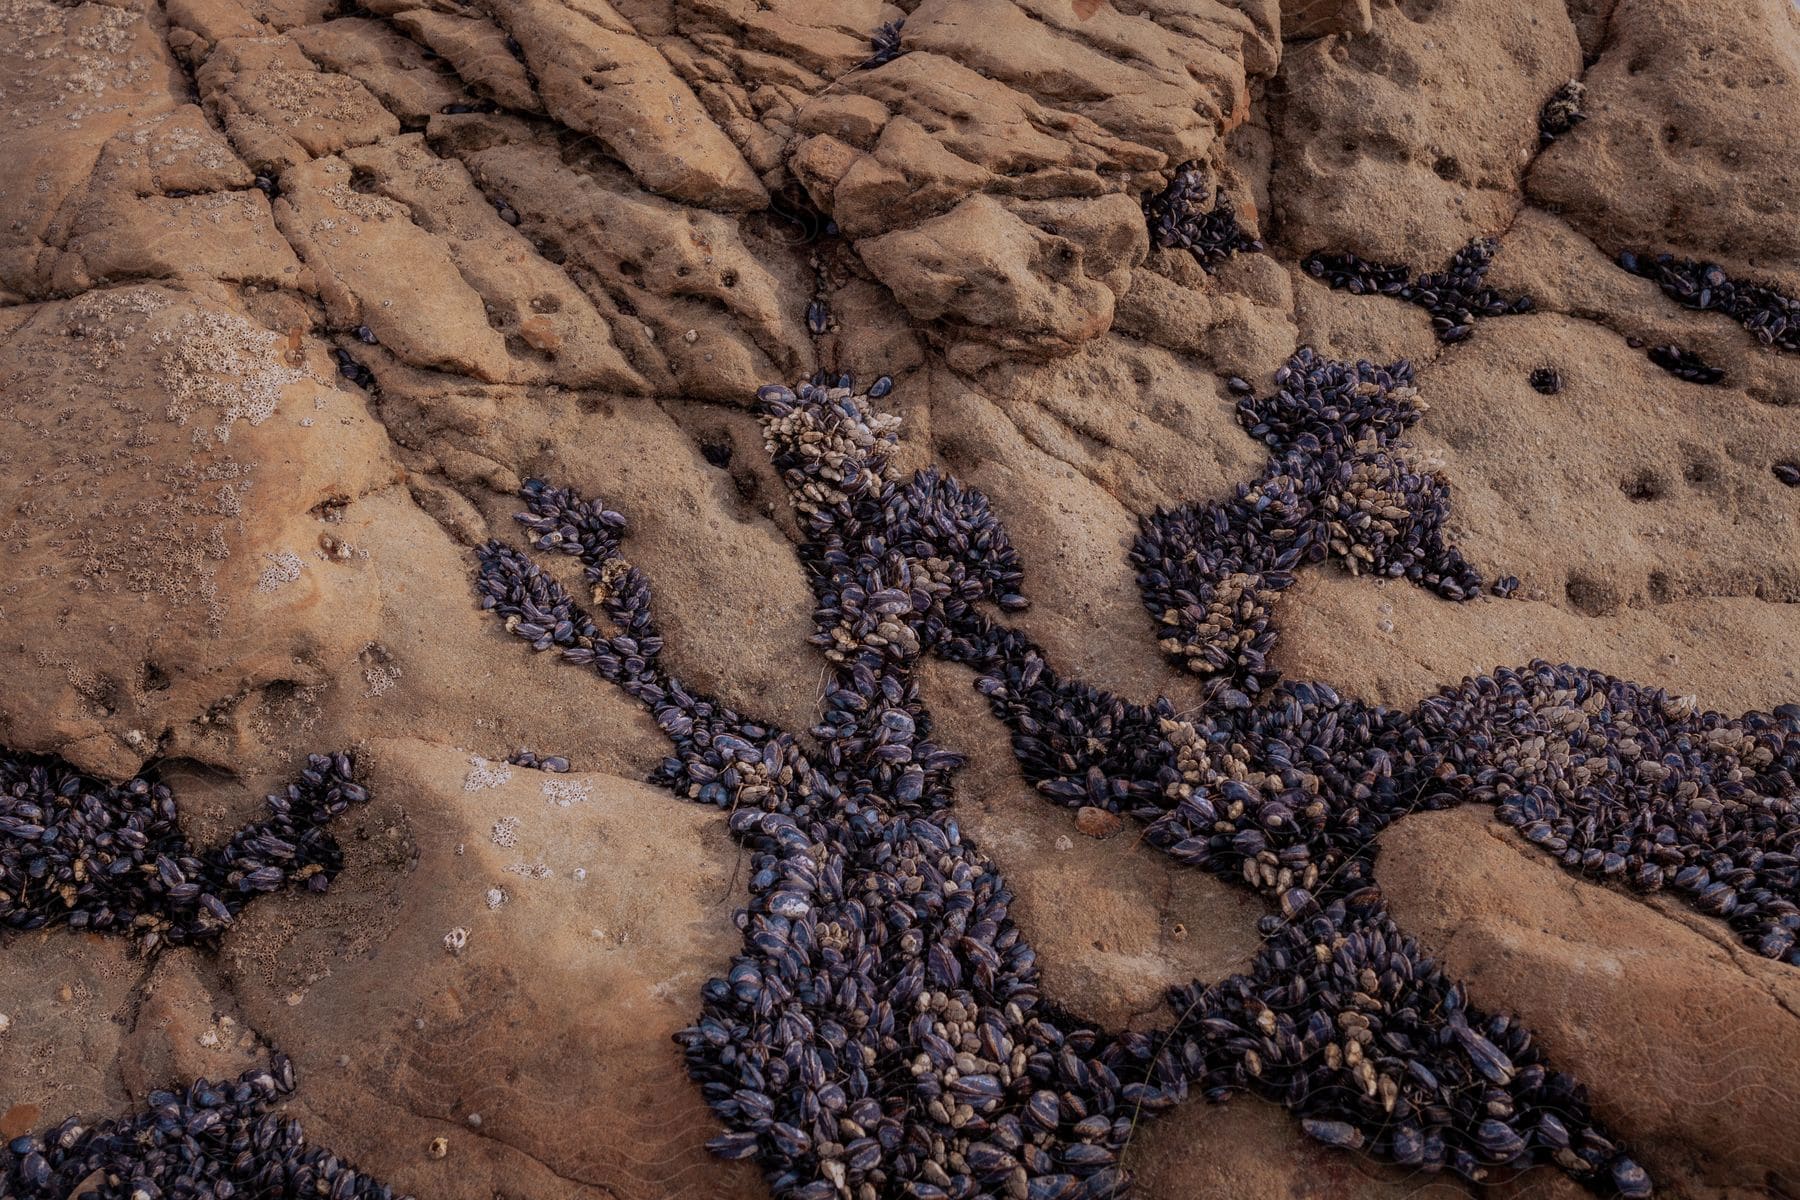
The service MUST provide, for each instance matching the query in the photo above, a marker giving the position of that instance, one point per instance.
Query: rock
(392, 66)
(379, 268)
(1316, 18)
(180, 563)
(996, 277)
(524, 296)
(75, 77)
(1097, 822)
(616, 909)
(599, 77)
(1442, 165)
(1142, 925)
(1249, 1147)
(278, 106)
(293, 298)
(476, 49)
(1674, 154)
(655, 268)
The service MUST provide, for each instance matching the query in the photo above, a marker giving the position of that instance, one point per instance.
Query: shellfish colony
(93, 856)
(108, 858)
(883, 1032)
(1766, 312)
(885, 42)
(1562, 112)
(1192, 214)
(1455, 297)
(209, 1140)
(1685, 364)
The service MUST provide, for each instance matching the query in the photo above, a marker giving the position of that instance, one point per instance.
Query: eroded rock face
(297, 299)
(1685, 148)
(169, 458)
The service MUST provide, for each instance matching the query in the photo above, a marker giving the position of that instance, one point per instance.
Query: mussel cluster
(883, 1032)
(209, 1141)
(1770, 314)
(1194, 215)
(1456, 297)
(1685, 365)
(112, 858)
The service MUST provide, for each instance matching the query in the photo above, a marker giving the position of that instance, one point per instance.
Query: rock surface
(291, 301)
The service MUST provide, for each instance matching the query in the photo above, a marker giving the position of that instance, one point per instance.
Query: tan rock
(75, 77)
(376, 267)
(278, 108)
(1316, 18)
(655, 269)
(1097, 822)
(393, 67)
(476, 48)
(170, 578)
(599, 77)
(1003, 280)
(525, 296)
(217, 235)
(1403, 145)
(591, 929)
(1684, 147)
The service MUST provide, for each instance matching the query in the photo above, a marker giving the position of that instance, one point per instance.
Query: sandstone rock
(1363, 133)
(377, 267)
(1097, 822)
(171, 571)
(658, 271)
(599, 77)
(225, 554)
(279, 109)
(590, 926)
(75, 77)
(1316, 18)
(476, 49)
(526, 298)
(1141, 926)
(1684, 147)
(392, 66)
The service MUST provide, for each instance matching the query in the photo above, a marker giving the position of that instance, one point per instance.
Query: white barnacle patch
(284, 567)
(564, 792)
(223, 362)
(484, 774)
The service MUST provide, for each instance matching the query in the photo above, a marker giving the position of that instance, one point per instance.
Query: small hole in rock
(1589, 596)
(1645, 486)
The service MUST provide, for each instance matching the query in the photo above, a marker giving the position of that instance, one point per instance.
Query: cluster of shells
(1773, 316)
(83, 854)
(1456, 297)
(1685, 365)
(209, 1140)
(882, 1031)
(112, 858)
(1561, 112)
(1194, 214)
